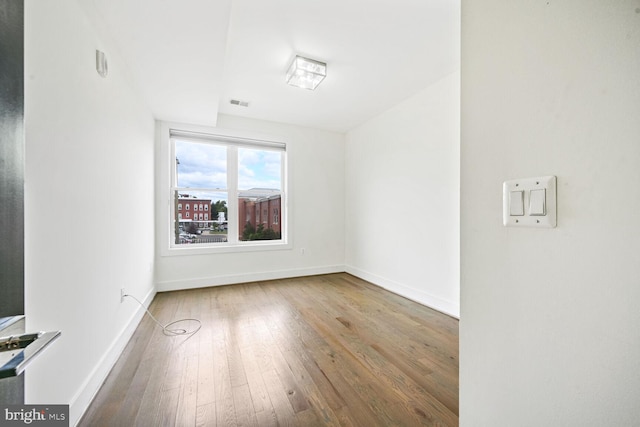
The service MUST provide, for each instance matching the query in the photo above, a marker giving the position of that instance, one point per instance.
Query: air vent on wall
(238, 102)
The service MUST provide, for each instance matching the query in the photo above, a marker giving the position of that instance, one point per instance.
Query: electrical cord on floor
(165, 328)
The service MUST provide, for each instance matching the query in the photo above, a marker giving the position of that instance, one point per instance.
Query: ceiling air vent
(238, 102)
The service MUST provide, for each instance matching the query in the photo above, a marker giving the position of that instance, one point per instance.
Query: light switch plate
(530, 219)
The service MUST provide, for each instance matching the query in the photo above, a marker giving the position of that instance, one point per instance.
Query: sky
(204, 165)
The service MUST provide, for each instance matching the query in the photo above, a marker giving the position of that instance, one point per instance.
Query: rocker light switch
(516, 203)
(537, 203)
(529, 202)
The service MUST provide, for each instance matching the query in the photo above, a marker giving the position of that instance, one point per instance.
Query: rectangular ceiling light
(306, 73)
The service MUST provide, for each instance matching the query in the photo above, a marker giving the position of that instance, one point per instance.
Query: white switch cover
(538, 201)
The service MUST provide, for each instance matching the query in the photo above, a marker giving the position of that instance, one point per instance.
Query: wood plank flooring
(329, 350)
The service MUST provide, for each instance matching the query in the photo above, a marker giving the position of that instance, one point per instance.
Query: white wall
(550, 317)
(89, 210)
(316, 200)
(402, 198)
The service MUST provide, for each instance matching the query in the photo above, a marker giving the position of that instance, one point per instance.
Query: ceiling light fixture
(306, 73)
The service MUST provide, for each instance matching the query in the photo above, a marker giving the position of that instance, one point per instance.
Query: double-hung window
(233, 178)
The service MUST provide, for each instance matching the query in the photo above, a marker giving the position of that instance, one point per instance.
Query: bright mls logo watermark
(34, 415)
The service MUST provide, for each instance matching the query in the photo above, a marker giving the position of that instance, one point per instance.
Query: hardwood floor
(313, 351)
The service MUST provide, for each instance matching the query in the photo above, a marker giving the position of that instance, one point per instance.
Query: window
(235, 177)
(275, 216)
(179, 206)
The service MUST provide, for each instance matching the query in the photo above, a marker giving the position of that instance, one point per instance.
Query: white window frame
(234, 139)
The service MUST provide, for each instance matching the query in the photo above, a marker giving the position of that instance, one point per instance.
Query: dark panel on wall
(12, 390)
(11, 157)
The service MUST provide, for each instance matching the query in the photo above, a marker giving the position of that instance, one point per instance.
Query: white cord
(165, 328)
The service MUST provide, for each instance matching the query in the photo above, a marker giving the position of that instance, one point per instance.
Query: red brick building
(194, 210)
(260, 210)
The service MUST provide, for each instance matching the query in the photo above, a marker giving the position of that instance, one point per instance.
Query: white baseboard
(203, 282)
(419, 296)
(81, 401)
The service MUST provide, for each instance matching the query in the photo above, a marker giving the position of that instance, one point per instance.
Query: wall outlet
(123, 293)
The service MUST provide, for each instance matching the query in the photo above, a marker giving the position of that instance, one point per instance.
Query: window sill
(223, 249)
